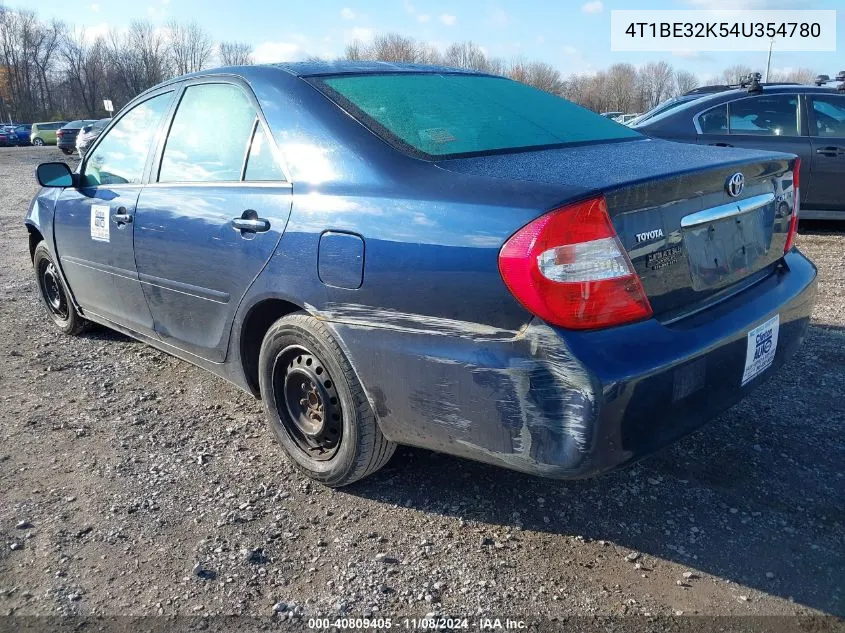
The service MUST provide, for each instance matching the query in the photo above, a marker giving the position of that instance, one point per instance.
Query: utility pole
(769, 61)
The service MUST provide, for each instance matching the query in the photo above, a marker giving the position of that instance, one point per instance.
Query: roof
(733, 93)
(311, 68)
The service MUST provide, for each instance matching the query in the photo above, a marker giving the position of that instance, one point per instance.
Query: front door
(827, 135)
(94, 222)
(211, 220)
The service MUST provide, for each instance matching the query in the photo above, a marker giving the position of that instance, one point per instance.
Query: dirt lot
(135, 483)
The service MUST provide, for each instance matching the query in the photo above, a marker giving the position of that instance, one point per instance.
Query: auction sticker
(100, 222)
(762, 344)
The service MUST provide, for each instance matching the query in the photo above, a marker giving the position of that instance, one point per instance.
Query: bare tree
(28, 50)
(621, 87)
(796, 75)
(190, 47)
(393, 47)
(84, 66)
(354, 51)
(684, 82)
(734, 74)
(466, 55)
(537, 74)
(657, 82)
(235, 54)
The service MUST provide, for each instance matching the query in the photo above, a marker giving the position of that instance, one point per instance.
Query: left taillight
(569, 268)
(793, 221)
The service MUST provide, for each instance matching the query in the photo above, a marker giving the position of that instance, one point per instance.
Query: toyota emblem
(735, 184)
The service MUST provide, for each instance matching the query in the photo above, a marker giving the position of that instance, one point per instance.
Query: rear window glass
(443, 115)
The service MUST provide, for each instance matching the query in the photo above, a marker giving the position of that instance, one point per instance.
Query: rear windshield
(448, 115)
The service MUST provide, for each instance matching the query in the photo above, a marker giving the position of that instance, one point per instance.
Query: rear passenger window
(209, 136)
(829, 112)
(714, 120)
(122, 154)
(775, 115)
(261, 163)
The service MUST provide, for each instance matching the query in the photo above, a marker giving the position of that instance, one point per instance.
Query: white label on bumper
(762, 344)
(100, 222)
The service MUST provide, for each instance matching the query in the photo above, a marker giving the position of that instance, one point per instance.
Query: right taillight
(793, 222)
(569, 268)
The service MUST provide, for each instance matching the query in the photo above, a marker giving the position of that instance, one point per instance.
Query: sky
(573, 36)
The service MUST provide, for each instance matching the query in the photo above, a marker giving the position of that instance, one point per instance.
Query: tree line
(49, 70)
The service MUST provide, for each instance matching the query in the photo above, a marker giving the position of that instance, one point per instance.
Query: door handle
(249, 222)
(831, 151)
(122, 216)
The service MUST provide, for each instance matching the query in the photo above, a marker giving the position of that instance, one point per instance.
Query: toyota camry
(395, 254)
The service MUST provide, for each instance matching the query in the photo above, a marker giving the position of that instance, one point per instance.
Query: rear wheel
(38, 141)
(66, 152)
(54, 293)
(316, 405)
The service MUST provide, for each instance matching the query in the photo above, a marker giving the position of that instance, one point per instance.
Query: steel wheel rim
(308, 403)
(53, 291)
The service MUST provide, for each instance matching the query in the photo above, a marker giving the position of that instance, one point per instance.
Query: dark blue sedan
(391, 254)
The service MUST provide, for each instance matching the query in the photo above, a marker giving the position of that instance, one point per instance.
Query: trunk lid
(690, 240)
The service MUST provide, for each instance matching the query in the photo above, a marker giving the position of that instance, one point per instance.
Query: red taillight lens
(569, 268)
(793, 222)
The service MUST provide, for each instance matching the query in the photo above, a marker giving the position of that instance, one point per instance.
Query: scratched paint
(521, 399)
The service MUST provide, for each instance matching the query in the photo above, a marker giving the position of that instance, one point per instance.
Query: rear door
(94, 222)
(827, 137)
(211, 216)
(771, 121)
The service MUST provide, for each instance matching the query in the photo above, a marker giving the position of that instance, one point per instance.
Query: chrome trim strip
(714, 214)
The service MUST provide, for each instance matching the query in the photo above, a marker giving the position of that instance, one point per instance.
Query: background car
(625, 119)
(7, 136)
(543, 289)
(88, 134)
(23, 132)
(805, 120)
(66, 135)
(44, 133)
(663, 107)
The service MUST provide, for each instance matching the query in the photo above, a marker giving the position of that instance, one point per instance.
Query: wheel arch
(257, 320)
(35, 237)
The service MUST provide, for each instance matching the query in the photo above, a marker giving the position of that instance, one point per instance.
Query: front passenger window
(121, 155)
(829, 111)
(209, 136)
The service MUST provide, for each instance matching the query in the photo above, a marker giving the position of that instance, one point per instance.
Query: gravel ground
(135, 483)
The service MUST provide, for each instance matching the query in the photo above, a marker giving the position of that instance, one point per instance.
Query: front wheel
(54, 293)
(38, 142)
(315, 404)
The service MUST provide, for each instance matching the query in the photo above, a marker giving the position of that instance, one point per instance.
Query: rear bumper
(564, 404)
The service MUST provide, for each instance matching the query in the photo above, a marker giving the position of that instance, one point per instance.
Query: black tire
(339, 441)
(54, 294)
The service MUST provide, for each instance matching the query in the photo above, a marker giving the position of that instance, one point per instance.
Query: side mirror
(54, 175)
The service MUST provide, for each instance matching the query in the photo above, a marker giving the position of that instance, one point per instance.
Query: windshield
(447, 115)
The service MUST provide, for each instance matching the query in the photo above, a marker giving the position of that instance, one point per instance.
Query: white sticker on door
(100, 222)
(762, 344)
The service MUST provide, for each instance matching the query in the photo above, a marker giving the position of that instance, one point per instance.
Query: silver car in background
(88, 134)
